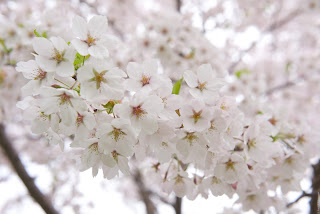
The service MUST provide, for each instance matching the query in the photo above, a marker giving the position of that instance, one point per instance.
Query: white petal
(123, 165)
(97, 26)
(89, 121)
(40, 125)
(134, 70)
(115, 72)
(68, 114)
(150, 66)
(132, 85)
(110, 173)
(78, 104)
(122, 110)
(205, 73)
(191, 79)
(108, 160)
(65, 69)
(98, 51)
(70, 54)
(153, 104)
(59, 43)
(79, 27)
(149, 125)
(89, 90)
(124, 148)
(85, 73)
(42, 46)
(80, 46)
(47, 64)
(31, 88)
(29, 69)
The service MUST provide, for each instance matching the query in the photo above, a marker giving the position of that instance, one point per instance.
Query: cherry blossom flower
(143, 77)
(54, 55)
(195, 116)
(92, 38)
(38, 77)
(230, 169)
(101, 81)
(142, 111)
(66, 102)
(203, 84)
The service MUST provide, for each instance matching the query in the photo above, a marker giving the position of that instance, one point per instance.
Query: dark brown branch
(315, 189)
(16, 163)
(178, 4)
(304, 194)
(178, 205)
(144, 194)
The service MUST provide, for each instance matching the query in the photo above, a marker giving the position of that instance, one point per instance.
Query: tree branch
(178, 4)
(16, 163)
(315, 189)
(275, 25)
(283, 86)
(304, 194)
(144, 194)
(178, 205)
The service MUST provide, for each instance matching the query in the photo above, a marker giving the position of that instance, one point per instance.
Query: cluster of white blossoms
(197, 138)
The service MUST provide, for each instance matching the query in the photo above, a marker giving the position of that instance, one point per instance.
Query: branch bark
(315, 189)
(304, 194)
(144, 194)
(178, 205)
(178, 4)
(16, 163)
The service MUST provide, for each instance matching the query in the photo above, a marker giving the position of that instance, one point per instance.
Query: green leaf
(177, 86)
(109, 106)
(36, 33)
(79, 61)
(21, 25)
(44, 34)
(239, 73)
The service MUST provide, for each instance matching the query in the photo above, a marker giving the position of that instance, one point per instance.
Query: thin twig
(283, 86)
(275, 25)
(304, 194)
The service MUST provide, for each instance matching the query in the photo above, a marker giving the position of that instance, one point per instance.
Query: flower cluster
(196, 138)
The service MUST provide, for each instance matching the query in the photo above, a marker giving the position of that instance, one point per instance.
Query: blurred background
(269, 51)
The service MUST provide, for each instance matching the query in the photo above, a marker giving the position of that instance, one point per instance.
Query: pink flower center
(90, 40)
(79, 119)
(145, 80)
(196, 115)
(64, 98)
(138, 111)
(41, 75)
